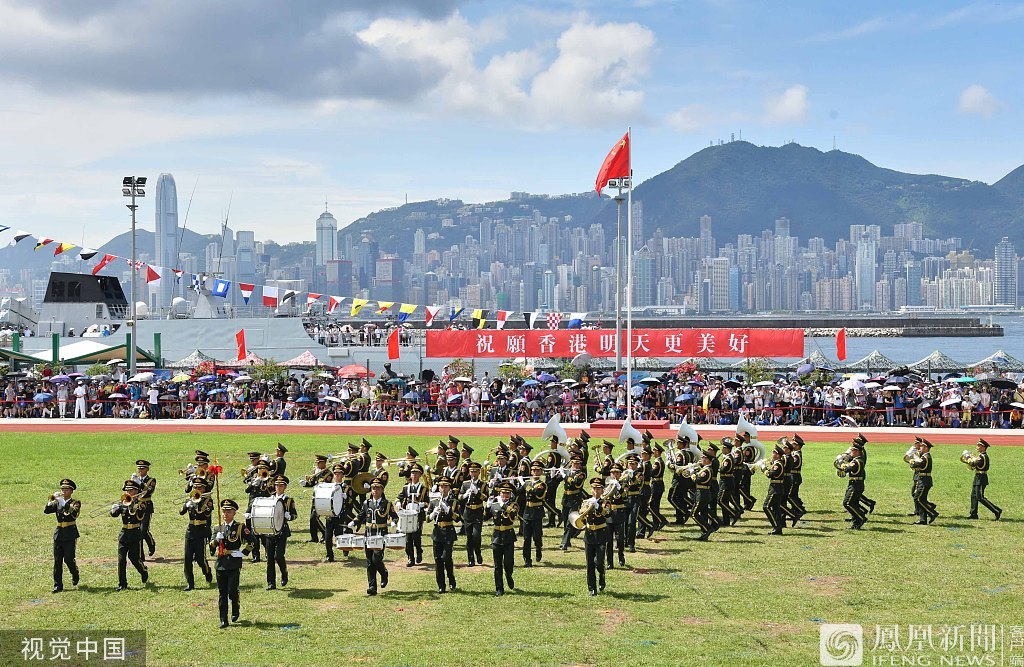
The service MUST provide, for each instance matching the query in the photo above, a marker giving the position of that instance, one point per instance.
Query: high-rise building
(1005, 287)
(719, 285)
(782, 227)
(645, 278)
(326, 238)
(638, 225)
(707, 240)
(865, 271)
(166, 251)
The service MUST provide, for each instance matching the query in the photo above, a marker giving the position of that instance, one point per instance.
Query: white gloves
(189, 504)
(219, 536)
(237, 554)
(288, 516)
(113, 507)
(352, 524)
(247, 516)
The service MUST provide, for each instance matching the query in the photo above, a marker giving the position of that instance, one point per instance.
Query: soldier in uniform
(867, 504)
(618, 517)
(414, 492)
(230, 544)
(572, 496)
(634, 485)
(644, 499)
(744, 473)
(501, 470)
(258, 485)
(442, 515)
(702, 515)
(503, 513)
(727, 488)
(320, 474)
(657, 486)
(603, 466)
(922, 466)
(681, 493)
(451, 470)
(776, 473)
(278, 465)
(789, 511)
(715, 466)
(129, 542)
(524, 451)
(981, 465)
(376, 514)
(405, 466)
(338, 525)
(147, 487)
(854, 471)
(380, 470)
(277, 544)
(65, 536)
(796, 456)
(533, 515)
(470, 504)
(596, 537)
(466, 458)
(197, 532)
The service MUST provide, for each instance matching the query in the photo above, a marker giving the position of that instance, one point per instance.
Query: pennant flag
(576, 320)
(153, 276)
(405, 310)
(553, 320)
(269, 296)
(311, 298)
(841, 344)
(197, 282)
(384, 305)
(246, 290)
(107, 259)
(288, 295)
(220, 288)
(138, 264)
(393, 344)
(502, 318)
(3, 228)
(531, 318)
(431, 311)
(615, 165)
(479, 318)
(87, 254)
(63, 247)
(177, 274)
(333, 302)
(240, 342)
(455, 313)
(19, 235)
(43, 241)
(357, 305)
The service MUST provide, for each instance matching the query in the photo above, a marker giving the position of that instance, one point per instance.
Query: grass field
(744, 598)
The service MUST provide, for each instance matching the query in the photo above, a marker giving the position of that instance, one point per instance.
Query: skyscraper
(865, 271)
(707, 240)
(1005, 292)
(326, 238)
(166, 252)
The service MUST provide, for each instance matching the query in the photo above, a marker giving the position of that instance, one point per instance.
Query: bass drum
(267, 516)
(328, 499)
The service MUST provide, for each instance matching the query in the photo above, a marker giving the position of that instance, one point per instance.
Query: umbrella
(896, 379)
(242, 379)
(650, 381)
(582, 360)
(892, 387)
(852, 384)
(115, 361)
(682, 398)
(455, 398)
(332, 399)
(326, 376)
(42, 397)
(530, 383)
(637, 390)
(533, 405)
(358, 402)
(552, 400)
(117, 395)
(56, 379)
(181, 377)
(207, 378)
(303, 399)
(568, 381)
(872, 385)
(410, 396)
(965, 380)
(805, 369)
(141, 377)
(462, 378)
(733, 382)
(219, 390)
(553, 384)
(354, 370)
(607, 381)
(1017, 405)
(696, 383)
(396, 381)
(546, 377)
(518, 401)
(168, 397)
(764, 383)
(1002, 383)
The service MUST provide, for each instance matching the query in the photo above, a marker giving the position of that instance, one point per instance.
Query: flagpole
(629, 282)
(618, 282)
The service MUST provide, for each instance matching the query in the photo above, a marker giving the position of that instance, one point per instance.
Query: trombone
(126, 500)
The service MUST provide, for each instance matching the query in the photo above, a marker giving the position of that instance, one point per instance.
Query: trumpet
(189, 470)
(55, 495)
(912, 455)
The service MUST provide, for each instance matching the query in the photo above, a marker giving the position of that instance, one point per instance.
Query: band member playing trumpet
(618, 516)
(199, 508)
(681, 492)
(278, 465)
(572, 496)
(603, 465)
(377, 512)
(701, 474)
(258, 485)
(503, 512)
(129, 542)
(853, 469)
(471, 507)
(643, 502)
(65, 536)
(775, 472)
(535, 491)
(980, 464)
(404, 467)
(450, 470)
(415, 492)
(594, 513)
(922, 465)
(277, 544)
(319, 475)
(380, 468)
(442, 515)
(634, 481)
(867, 504)
(744, 473)
(147, 487)
(657, 486)
(727, 490)
(200, 470)
(230, 544)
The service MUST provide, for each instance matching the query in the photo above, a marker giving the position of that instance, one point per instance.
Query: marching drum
(374, 542)
(267, 516)
(328, 499)
(408, 520)
(343, 542)
(394, 541)
(358, 541)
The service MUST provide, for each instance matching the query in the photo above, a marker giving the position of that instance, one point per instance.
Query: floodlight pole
(133, 187)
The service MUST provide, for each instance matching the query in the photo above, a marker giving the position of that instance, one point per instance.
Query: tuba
(968, 459)
(912, 455)
(839, 463)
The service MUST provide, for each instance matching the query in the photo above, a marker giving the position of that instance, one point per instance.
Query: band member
(199, 470)
(867, 504)
(230, 544)
(129, 542)
(681, 494)
(715, 465)
(65, 536)
(533, 516)
(524, 451)
(796, 456)
(603, 466)
(776, 473)
(646, 526)
(980, 464)
(503, 513)
(472, 496)
(657, 486)
(377, 512)
(320, 474)
(854, 471)
(736, 497)
(250, 470)
(364, 455)
(922, 465)
(450, 470)
(572, 497)
(277, 544)
(618, 517)
(554, 460)
(466, 458)
(258, 485)
(634, 480)
(405, 466)
(596, 538)
(278, 465)
(501, 470)
(438, 465)
(745, 473)
(147, 486)
(380, 470)
(338, 525)
(442, 515)
(727, 488)
(788, 511)
(512, 454)
(702, 514)
(199, 508)
(414, 493)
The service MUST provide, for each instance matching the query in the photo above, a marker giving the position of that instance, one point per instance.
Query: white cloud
(789, 106)
(690, 118)
(976, 99)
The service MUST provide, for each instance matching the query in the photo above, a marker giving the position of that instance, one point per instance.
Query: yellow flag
(384, 305)
(357, 305)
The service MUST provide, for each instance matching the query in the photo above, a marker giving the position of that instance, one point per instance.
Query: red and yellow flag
(616, 164)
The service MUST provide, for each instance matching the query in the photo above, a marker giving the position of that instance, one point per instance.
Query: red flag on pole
(240, 341)
(841, 344)
(616, 165)
(393, 345)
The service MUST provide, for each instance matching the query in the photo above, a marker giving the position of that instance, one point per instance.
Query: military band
(534, 492)
(921, 463)
(594, 515)
(319, 475)
(442, 515)
(129, 542)
(415, 494)
(470, 504)
(147, 487)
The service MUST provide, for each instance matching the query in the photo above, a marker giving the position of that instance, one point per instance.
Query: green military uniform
(319, 475)
(442, 514)
(374, 519)
(922, 466)
(853, 469)
(470, 504)
(503, 513)
(775, 472)
(230, 544)
(596, 538)
(147, 487)
(277, 544)
(197, 533)
(418, 494)
(981, 465)
(65, 536)
(534, 492)
(572, 496)
(129, 542)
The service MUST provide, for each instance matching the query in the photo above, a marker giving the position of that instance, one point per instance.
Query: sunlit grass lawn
(744, 598)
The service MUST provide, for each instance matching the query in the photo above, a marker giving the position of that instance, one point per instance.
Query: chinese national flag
(841, 344)
(240, 341)
(393, 345)
(616, 165)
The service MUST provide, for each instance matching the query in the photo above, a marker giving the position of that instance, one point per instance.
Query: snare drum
(408, 520)
(394, 541)
(267, 516)
(374, 542)
(358, 541)
(343, 542)
(328, 499)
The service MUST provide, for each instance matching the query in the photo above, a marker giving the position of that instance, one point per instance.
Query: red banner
(601, 343)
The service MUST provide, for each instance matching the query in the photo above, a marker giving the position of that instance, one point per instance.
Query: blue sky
(279, 105)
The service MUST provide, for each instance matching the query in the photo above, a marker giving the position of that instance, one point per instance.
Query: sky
(277, 107)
